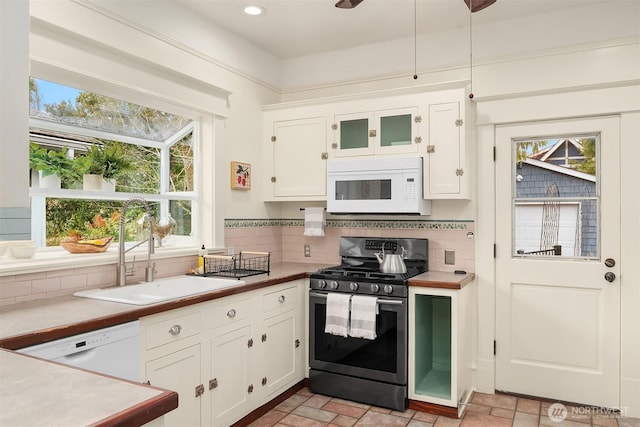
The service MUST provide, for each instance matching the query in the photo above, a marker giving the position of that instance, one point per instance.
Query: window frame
(38, 196)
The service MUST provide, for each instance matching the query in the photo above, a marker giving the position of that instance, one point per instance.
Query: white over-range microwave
(376, 186)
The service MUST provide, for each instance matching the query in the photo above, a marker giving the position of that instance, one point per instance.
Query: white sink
(160, 290)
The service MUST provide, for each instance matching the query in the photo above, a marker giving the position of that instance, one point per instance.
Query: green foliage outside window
(136, 168)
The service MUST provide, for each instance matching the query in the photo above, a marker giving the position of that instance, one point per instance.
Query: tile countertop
(87, 398)
(33, 322)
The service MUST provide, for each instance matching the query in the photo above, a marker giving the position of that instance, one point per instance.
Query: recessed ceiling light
(254, 10)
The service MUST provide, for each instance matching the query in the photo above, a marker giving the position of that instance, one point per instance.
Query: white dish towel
(314, 221)
(337, 320)
(364, 310)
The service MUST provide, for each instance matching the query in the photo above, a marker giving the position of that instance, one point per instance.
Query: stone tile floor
(305, 409)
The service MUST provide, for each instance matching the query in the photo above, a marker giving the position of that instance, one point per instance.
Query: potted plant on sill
(102, 165)
(53, 166)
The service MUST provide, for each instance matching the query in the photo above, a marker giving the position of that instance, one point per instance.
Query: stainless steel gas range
(372, 371)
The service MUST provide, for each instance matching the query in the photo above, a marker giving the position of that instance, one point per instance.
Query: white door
(557, 315)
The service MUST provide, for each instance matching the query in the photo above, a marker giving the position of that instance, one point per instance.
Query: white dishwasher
(113, 351)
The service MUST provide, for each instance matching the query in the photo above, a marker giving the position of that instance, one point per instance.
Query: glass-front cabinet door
(352, 134)
(378, 132)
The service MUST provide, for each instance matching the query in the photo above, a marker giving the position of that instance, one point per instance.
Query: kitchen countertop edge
(144, 412)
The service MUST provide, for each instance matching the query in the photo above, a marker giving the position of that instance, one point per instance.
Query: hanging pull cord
(415, 39)
(470, 49)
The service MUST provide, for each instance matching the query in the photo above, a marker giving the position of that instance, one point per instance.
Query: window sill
(50, 259)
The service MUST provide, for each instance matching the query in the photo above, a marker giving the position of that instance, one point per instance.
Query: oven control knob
(375, 288)
(388, 289)
(322, 284)
(333, 284)
(353, 286)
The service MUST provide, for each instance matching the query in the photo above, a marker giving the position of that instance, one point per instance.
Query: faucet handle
(130, 271)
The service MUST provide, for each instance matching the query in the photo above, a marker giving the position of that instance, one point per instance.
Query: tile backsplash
(285, 240)
(282, 237)
(47, 284)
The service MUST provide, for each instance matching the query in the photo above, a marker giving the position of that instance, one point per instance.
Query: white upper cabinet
(393, 131)
(300, 137)
(295, 158)
(447, 166)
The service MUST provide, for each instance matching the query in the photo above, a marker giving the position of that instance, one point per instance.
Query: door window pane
(556, 197)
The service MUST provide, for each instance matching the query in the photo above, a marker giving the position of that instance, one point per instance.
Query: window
(556, 197)
(138, 150)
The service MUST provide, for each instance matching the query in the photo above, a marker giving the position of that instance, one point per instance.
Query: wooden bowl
(85, 246)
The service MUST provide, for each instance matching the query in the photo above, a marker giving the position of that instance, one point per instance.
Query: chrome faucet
(122, 268)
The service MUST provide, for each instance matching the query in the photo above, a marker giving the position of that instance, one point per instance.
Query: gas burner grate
(351, 273)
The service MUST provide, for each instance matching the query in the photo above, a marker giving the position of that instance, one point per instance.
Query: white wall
(15, 215)
(14, 102)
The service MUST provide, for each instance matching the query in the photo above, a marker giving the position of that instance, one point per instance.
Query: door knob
(610, 262)
(609, 276)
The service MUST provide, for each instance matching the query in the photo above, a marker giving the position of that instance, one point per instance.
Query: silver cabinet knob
(231, 313)
(175, 330)
(281, 299)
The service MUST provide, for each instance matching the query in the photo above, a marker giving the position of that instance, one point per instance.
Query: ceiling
(294, 28)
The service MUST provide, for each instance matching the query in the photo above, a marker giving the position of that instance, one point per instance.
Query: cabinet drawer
(283, 298)
(172, 329)
(231, 312)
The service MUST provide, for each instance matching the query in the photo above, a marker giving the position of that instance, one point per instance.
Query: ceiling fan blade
(348, 4)
(476, 5)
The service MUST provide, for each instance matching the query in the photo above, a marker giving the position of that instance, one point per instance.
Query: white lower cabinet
(440, 346)
(248, 349)
(281, 340)
(179, 371)
(172, 359)
(231, 382)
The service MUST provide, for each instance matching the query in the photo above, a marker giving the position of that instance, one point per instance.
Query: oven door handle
(380, 301)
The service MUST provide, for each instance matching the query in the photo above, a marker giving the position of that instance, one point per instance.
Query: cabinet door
(179, 371)
(397, 131)
(280, 351)
(231, 384)
(354, 134)
(443, 168)
(299, 166)
(391, 131)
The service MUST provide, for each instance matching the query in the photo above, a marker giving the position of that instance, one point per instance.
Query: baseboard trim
(432, 408)
(258, 412)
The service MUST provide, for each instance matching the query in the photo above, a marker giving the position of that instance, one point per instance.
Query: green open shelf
(433, 346)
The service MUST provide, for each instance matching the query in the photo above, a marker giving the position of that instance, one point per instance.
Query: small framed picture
(240, 176)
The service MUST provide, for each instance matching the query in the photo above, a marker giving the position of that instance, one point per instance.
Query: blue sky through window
(53, 93)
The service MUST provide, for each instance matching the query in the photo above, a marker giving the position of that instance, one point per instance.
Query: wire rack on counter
(243, 265)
